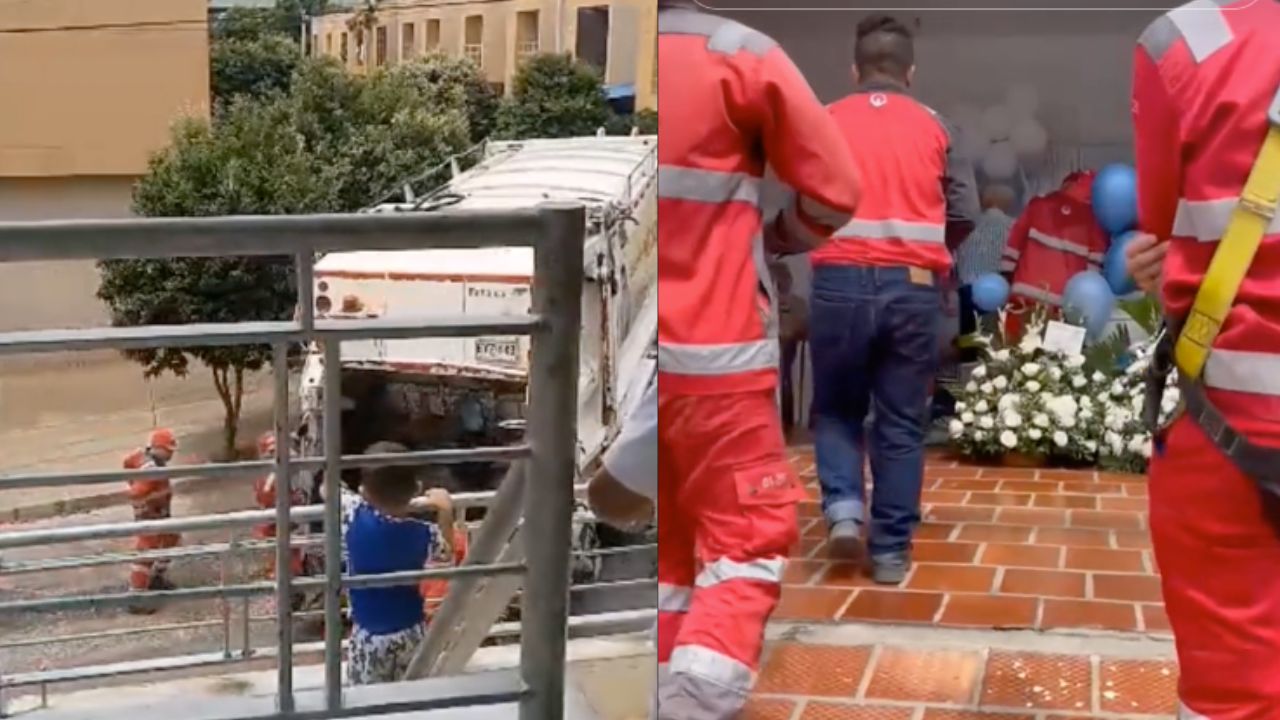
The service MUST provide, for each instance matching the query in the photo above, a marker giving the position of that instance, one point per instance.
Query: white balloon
(973, 144)
(1023, 100)
(1001, 162)
(996, 123)
(965, 116)
(1029, 139)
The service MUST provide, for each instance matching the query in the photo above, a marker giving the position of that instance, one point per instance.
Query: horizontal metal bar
(264, 235)
(451, 456)
(145, 599)
(243, 518)
(413, 577)
(261, 333)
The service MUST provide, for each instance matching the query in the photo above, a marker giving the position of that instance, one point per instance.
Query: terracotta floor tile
(1074, 537)
(832, 711)
(762, 709)
(1093, 488)
(1134, 539)
(1068, 475)
(950, 473)
(1106, 519)
(935, 531)
(944, 552)
(944, 497)
(806, 546)
(1043, 583)
(894, 606)
(936, 714)
(1092, 614)
(1130, 588)
(1128, 478)
(989, 611)
(969, 485)
(925, 675)
(1123, 504)
(999, 499)
(1154, 619)
(1009, 555)
(1066, 502)
(1043, 682)
(1038, 517)
(954, 578)
(1008, 474)
(803, 602)
(822, 670)
(1139, 687)
(1104, 559)
(802, 572)
(977, 532)
(960, 513)
(815, 528)
(1136, 490)
(845, 574)
(1028, 486)
(809, 510)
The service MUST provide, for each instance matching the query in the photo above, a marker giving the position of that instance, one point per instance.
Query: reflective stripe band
(893, 230)
(703, 662)
(1097, 258)
(1036, 293)
(1243, 371)
(823, 214)
(710, 186)
(723, 570)
(1186, 713)
(1206, 220)
(723, 36)
(1058, 243)
(1008, 265)
(721, 359)
(1012, 253)
(674, 598)
(1203, 26)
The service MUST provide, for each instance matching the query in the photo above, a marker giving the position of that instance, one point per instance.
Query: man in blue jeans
(876, 307)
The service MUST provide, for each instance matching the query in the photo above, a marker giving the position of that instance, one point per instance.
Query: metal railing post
(552, 433)
(284, 534)
(333, 524)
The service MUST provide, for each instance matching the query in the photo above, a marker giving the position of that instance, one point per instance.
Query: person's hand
(1144, 261)
(616, 504)
(439, 499)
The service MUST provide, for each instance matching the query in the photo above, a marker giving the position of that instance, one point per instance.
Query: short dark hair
(392, 486)
(884, 46)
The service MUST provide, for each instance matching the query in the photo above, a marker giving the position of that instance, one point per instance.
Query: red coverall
(264, 493)
(1054, 238)
(151, 500)
(732, 103)
(1203, 80)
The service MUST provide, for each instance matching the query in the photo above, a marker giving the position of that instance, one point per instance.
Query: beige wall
(632, 36)
(97, 101)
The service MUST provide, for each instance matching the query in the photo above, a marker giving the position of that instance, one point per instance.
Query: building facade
(617, 36)
(90, 91)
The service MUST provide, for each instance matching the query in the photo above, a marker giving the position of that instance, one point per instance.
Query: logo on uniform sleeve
(879, 100)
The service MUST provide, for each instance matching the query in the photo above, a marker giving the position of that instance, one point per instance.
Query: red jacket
(1054, 238)
(732, 103)
(1203, 81)
(918, 197)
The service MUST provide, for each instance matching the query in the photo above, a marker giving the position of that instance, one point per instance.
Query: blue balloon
(1115, 198)
(990, 292)
(1113, 266)
(1088, 300)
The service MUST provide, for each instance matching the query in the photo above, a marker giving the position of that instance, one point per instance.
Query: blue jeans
(874, 338)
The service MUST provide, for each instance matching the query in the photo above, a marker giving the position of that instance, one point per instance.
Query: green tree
(554, 96)
(251, 66)
(456, 82)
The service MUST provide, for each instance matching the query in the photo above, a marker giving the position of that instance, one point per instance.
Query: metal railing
(556, 233)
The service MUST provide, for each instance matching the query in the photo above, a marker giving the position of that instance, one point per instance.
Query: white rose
(1086, 402)
(981, 407)
(1000, 383)
(1007, 402)
(1012, 419)
(1055, 374)
(986, 423)
(986, 388)
(1062, 408)
(1098, 377)
(979, 436)
(1031, 369)
(1146, 450)
(1078, 382)
(1008, 439)
(1138, 443)
(1033, 386)
(1001, 356)
(961, 406)
(957, 428)
(1086, 414)
(1117, 388)
(972, 387)
(1067, 422)
(1034, 433)
(1060, 439)
(966, 418)
(1030, 342)
(1091, 446)
(979, 372)
(1075, 361)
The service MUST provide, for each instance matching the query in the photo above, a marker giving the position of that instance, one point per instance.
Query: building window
(342, 53)
(380, 45)
(408, 41)
(526, 34)
(473, 40)
(592, 43)
(433, 35)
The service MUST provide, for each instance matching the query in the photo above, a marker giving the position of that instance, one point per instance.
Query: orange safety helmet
(266, 444)
(163, 439)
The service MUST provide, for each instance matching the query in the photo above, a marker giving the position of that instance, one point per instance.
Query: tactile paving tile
(1042, 682)
(1140, 687)
(821, 670)
(947, 676)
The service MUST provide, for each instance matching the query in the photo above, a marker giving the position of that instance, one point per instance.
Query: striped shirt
(980, 253)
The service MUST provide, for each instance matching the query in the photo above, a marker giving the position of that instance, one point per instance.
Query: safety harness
(1187, 342)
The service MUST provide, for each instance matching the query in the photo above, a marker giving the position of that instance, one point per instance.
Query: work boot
(890, 568)
(846, 540)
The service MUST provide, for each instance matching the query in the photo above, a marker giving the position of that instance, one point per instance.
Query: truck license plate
(500, 350)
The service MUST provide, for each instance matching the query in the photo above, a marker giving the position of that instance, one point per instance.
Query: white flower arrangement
(1125, 441)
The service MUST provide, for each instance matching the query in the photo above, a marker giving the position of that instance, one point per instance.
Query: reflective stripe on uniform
(1058, 243)
(1206, 220)
(1036, 293)
(1186, 713)
(723, 570)
(709, 186)
(1243, 371)
(1201, 24)
(892, 229)
(1012, 253)
(674, 598)
(723, 36)
(1008, 265)
(822, 213)
(718, 359)
(703, 662)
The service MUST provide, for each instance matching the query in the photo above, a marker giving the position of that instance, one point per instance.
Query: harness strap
(1262, 464)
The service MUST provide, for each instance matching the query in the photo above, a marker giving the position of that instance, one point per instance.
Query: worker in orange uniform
(876, 305)
(151, 499)
(1206, 107)
(733, 103)
(264, 493)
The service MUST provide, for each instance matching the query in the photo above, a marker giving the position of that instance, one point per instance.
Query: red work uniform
(1055, 238)
(733, 103)
(1204, 77)
(264, 493)
(151, 500)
